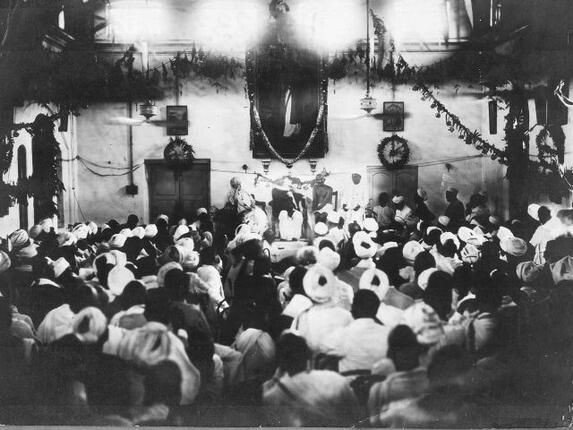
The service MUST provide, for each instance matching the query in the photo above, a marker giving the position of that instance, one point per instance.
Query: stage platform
(282, 249)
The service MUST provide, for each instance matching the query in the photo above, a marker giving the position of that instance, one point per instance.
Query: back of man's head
(544, 214)
(365, 304)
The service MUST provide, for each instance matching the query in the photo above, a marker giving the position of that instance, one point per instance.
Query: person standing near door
(354, 201)
(455, 210)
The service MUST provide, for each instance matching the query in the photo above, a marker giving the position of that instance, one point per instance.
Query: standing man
(287, 211)
(550, 228)
(384, 211)
(403, 213)
(455, 210)
(355, 201)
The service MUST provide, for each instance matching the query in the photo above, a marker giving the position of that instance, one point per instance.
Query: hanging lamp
(368, 103)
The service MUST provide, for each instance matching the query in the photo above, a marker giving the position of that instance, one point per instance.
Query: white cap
(126, 232)
(117, 241)
(411, 250)
(333, 217)
(532, 211)
(375, 280)
(328, 258)
(180, 231)
(59, 266)
(320, 229)
(444, 237)
(138, 232)
(151, 230)
(319, 284)
(118, 278)
(424, 277)
(371, 225)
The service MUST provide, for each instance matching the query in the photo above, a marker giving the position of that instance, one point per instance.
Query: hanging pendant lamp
(368, 103)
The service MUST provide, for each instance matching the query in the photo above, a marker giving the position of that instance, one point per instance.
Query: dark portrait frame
(393, 119)
(178, 115)
(280, 56)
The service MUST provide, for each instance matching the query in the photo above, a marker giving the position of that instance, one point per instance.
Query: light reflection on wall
(135, 20)
(228, 26)
(331, 26)
(418, 21)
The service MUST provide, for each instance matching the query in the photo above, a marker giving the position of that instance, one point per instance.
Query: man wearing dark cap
(321, 196)
(455, 210)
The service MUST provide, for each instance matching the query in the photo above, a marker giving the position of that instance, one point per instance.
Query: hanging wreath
(178, 154)
(547, 154)
(394, 152)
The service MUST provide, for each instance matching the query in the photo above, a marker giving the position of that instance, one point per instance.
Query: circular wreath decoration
(178, 154)
(394, 152)
(550, 154)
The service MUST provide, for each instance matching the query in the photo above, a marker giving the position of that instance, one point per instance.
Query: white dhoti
(290, 227)
(258, 220)
(356, 216)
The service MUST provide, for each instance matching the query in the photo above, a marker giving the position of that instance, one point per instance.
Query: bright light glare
(133, 20)
(417, 20)
(228, 26)
(330, 26)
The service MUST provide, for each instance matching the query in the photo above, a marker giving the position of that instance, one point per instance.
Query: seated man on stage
(321, 197)
(240, 200)
(287, 210)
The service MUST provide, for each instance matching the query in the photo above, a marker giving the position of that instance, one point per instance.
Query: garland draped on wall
(455, 125)
(473, 137)
(44, 184)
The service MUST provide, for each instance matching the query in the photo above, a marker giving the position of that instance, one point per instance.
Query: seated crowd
(401, 320)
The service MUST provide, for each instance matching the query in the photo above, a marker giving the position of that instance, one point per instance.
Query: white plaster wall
(219, 130)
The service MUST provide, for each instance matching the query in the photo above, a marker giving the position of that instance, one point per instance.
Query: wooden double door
(404, 180)
(178, 195)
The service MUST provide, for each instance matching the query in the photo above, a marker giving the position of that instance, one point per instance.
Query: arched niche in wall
(287, 84)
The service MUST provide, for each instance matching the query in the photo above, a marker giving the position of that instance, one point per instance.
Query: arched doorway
(22, 174)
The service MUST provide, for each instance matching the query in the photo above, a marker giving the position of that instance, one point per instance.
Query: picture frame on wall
(177, 120)
(393, 119)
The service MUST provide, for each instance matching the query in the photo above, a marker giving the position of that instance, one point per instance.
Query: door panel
(406, 181)
(195, 191)
(382, 180)
(163, 191)
(164, 183)
(180, 196)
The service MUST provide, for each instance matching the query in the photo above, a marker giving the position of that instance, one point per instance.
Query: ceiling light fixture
(368, 103)
(148, 109)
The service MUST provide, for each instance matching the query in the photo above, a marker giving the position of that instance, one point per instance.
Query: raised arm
(559, 93)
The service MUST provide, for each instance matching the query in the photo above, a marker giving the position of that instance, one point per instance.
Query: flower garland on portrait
(257, 126)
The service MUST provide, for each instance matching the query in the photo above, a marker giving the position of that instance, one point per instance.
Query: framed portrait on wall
(393, 116)
(288, 86)
(177, 121)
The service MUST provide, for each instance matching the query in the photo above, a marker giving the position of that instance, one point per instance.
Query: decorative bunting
(454, 124)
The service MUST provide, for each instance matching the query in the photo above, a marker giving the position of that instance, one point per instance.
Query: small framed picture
(177, 121)
(393, 119)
